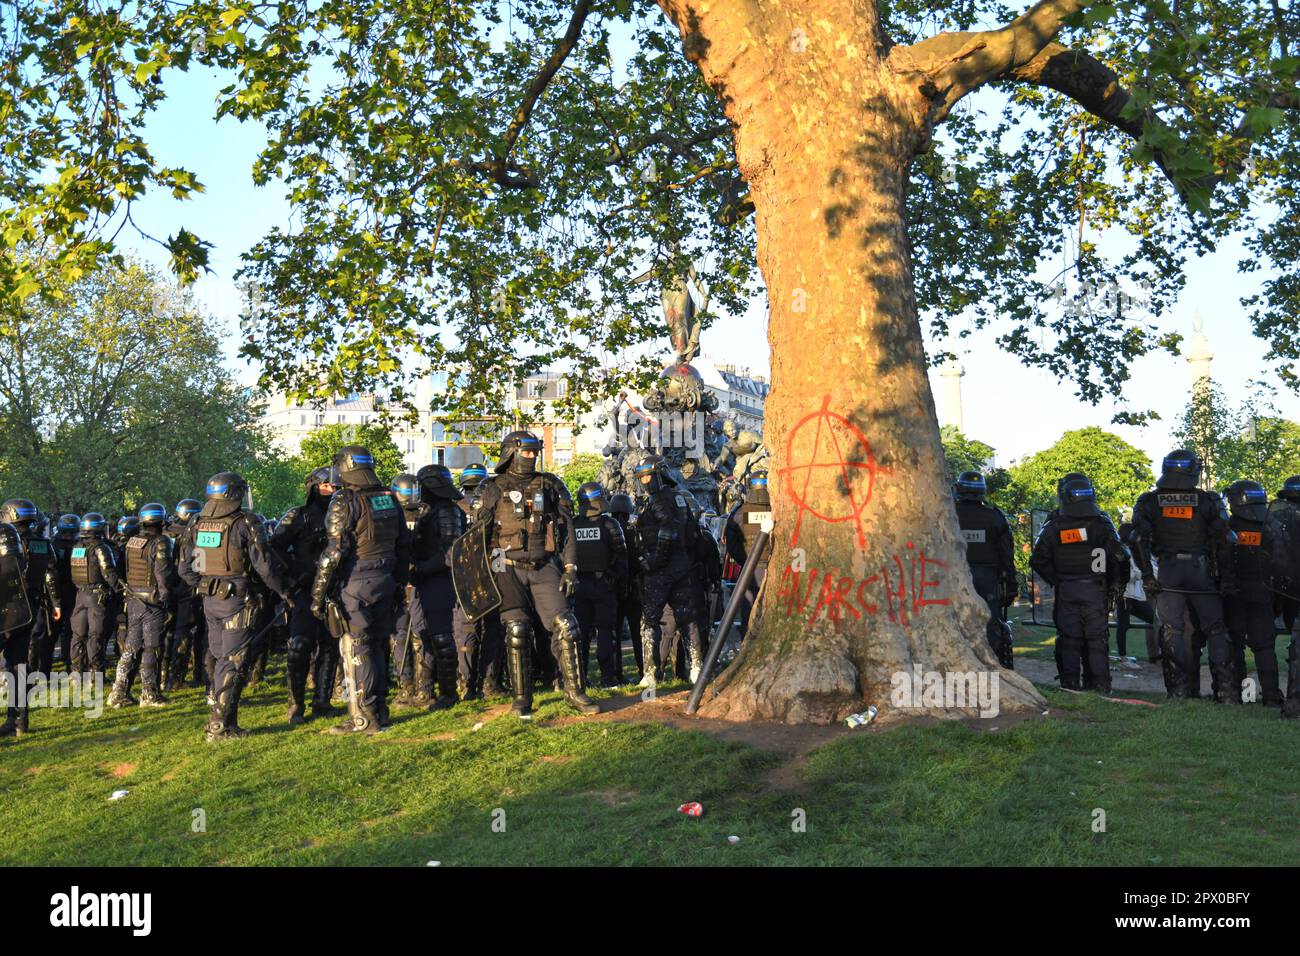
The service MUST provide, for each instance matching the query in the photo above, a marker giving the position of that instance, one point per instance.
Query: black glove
(1150, 585)
(569, 582)
(1229, 589)
(318, 610)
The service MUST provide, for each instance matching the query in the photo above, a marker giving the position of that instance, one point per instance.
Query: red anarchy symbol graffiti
(836, 433)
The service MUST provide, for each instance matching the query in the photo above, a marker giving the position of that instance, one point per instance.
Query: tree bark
(868, 577)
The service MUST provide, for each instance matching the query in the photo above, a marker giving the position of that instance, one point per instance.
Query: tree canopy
(490, 184)
(109, 396)
(1246, 441)
(1119, 472)
(318, 448)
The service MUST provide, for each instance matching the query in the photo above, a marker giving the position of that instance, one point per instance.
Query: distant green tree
(318, 448)
(579, 471)
(1249, 441)
(1119, 472)
(968, 454)
(109, 397)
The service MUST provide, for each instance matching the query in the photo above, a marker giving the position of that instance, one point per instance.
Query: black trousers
(1083, 632)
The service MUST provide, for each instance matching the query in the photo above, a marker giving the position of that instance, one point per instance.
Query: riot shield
(472, 574)
(15, 611)
(1042, 595)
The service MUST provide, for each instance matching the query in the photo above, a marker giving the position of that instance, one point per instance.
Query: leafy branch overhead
(482, 183)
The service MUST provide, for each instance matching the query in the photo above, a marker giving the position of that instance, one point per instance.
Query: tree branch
(957, 63)
(500, 165)
(1096, 87)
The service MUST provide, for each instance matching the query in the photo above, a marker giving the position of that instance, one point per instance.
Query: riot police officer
(94, 573)
(668, 534)
(150, 575)
(1079, 553)
(532, 526)
(188, 635)
(991, 556)
(365, 561)
(1284, 509)
(1258, 545)
(299, 540)
(430, 501)
(744, 523)
(223, 551)
(601, 556)
(1186, 528)
(61, 544)
(41, 584)
(629, 602)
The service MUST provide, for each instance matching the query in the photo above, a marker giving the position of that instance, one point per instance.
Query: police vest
(592, 543)
(1248, 555)
(1177, 524)
(524, 517)
(216, 555)
(980, 525)
(84, 567)
(139, 567)
(749, 518)
(379, 525)
(1073, 542)
(39, 556)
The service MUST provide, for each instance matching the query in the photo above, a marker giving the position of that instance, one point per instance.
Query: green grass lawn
(1187, 783)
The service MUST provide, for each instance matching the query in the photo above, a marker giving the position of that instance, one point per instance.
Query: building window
(442, 456)
(320, 420)
(536, 389)
(563, 456)
(302, 419)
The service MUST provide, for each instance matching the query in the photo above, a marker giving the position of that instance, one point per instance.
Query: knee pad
(519, 633)
(566, 626)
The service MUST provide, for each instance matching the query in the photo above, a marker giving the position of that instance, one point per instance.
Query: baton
(733, 608)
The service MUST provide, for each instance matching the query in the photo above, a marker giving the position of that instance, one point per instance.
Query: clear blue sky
(1015, 409)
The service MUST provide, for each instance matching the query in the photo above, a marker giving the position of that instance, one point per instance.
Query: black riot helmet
(407, 490)
(128, 526)
(92, 524)
(1181, 469)
(1247, 499)
(1291, 489)
(620, 504)
(970, 486)
(19, 512)
(471, 475)
(518, 464)
(68, 525)
(1076, 497)
(656, 468)
(187, 508)
(355, 467)
(757, 491)
(152, 515)
(318, 477)
(591, 499)
(224, 486)
(435, 482)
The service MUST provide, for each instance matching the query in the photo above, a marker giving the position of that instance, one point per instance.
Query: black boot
(225, 722)
(519, 650)
(1227, 689)
(10, 727)
(121, 694)
(444, 647)
(566, 628)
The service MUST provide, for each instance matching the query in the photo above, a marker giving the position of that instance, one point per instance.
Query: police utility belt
(222, 588)
(1181, 555)
(532, 565)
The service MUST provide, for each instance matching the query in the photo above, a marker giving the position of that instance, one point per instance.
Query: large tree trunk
(868, 576)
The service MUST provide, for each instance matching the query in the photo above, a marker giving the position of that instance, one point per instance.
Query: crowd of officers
(356, 585)
(1204, 570)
